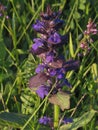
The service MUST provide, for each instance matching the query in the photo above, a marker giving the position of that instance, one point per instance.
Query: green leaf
(61, 99)
(13, 119)
(80, 121)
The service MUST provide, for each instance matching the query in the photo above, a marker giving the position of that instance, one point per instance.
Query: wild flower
(45, 120)
(91, 28)
(87, 39)
(67, 120)
(54, 67)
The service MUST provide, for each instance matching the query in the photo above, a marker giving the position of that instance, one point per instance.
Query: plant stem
(56, 116)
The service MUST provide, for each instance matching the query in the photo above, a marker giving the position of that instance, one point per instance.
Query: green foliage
(13, 120)
(80, 121)
(17, 65)
(61, 99)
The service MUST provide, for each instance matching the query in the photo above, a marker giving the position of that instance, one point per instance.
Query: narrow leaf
(71, 48)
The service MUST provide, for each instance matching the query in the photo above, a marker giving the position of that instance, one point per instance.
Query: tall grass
(21, 108)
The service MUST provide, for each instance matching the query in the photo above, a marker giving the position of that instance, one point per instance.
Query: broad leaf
(13, 119)
(80, 121)
(61, 99)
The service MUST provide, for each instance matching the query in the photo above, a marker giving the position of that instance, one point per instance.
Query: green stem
(56, 116)
(38, 108)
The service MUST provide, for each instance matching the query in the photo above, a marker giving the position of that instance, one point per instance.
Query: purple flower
(49, 57)
(57, 73)
(40, 68)
(52, 72)
(54, 38)
(42, 91)
(38, 43)
(45, 120)
(39, 26)
(60, 75)
(67, 120)
(56, 23)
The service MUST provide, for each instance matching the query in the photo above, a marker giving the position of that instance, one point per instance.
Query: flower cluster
(53, 67)
(85, 43)
(45, 120)
(91, 28)
(48, 121)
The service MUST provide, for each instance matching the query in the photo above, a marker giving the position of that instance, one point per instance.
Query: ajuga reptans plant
(51, 72)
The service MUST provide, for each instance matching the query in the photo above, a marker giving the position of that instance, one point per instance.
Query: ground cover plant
(48, 37)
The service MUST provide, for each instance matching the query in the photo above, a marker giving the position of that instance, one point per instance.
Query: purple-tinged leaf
(38, 80)
(61, 99)
(57, 63)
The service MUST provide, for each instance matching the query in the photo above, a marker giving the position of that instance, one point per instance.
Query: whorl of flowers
(53, 67)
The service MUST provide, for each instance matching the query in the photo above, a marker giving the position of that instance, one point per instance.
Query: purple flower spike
(54, 38)
(43, 91)
(53, 67)
(45, 120)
